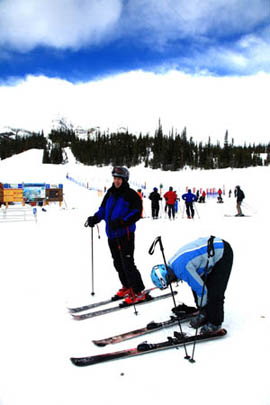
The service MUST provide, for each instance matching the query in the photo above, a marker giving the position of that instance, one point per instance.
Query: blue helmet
(159, 276)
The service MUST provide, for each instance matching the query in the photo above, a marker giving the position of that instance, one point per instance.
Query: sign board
(54, 194)
(34, 191)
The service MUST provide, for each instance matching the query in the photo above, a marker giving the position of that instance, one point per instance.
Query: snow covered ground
(46, 266)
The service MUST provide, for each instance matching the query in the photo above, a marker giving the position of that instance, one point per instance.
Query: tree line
(167, 152)
(11, 145)
(171, 151)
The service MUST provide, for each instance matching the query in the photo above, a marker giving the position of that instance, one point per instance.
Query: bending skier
(205, 265)
(121, 208)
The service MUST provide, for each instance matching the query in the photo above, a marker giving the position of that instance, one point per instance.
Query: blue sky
(92, 42)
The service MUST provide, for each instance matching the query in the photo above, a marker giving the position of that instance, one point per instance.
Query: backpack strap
(210, 247)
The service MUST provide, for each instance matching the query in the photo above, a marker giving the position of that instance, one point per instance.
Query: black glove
(91, 221)
(117, 223)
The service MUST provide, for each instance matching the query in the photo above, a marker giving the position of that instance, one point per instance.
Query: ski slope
(46, 267)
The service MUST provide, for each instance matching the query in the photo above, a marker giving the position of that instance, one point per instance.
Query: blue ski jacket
(189, 264)
(122, 204)
(189, 197)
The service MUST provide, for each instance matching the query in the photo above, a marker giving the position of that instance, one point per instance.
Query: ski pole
(197, 328)
(249, 207)
(92, 261)
(183, 212)
(92, 255)
(210, 253)
(197, 210)
(179, 209)
(151, 251)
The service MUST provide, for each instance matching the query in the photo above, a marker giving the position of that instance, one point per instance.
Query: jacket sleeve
(135, 208)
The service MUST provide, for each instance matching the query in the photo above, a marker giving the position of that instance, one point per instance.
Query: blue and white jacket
(189, 264)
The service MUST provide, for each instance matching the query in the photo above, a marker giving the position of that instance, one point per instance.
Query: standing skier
(239, 194)
(205, 265)
(189, 198)
(155, 198)
(170, 198)
(121, 208)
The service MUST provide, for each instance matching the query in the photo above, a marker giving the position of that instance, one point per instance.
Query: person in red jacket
(219, 199)
(170, 198)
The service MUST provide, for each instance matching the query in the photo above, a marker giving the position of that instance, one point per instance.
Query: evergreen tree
(46, 156)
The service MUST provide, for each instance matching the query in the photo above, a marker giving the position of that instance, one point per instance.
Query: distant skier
(219, 199)
(205, 264)
(202, 198)
(189, 198)
(139, 191)
(121, 208)
(155, 198)
(239, 194)
(170, 198)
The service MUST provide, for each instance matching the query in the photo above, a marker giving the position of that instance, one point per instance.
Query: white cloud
(249, 55)
(25, 24)
(168, 20)
(206, 105)
(201, 33)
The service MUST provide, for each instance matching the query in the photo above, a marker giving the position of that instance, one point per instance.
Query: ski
(149, 328)
(94, 305)
(237, 216)
(144, 348)
(122, 305)
(100, 303)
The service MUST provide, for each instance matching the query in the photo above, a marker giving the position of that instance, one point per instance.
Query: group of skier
(205, 264)
(171, 199)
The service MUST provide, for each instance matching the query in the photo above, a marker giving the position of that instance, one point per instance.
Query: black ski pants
(189, 209)
(122, 250)
(216, 283)
(171, 210)
(155, 210)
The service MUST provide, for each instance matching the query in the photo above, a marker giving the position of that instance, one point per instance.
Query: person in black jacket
(155, 198)
(239, 194)
(121, 208)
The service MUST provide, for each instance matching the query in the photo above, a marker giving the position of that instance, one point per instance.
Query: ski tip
(77, 362)
(73, 360)
(99, 344)
(72, 310)
(76, 317)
